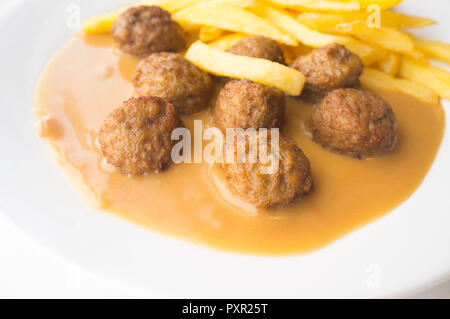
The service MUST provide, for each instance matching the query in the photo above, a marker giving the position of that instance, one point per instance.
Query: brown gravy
(87, 79)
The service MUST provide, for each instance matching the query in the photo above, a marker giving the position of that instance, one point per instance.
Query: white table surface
(28, 270)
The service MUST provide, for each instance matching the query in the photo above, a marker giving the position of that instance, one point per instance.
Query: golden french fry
(322, 5)
(383, 4)
(262, 71)
(284, 22)
(231, 18)
(327, 22)
(237, 3)
(433, 77)
(434, 49)
(376, 80)
(388, 38)
(208, 34)
(389, 64)
(227, 41)
(104, 22)
(368, 53)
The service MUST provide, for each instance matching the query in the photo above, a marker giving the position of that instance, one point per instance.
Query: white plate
(406, 251)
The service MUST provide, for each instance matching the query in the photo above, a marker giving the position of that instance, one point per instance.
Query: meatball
(328, 68)
(354, 122)
(246, 104)
(137, 136)
(290, 181)
(144, 30)
(259, 47)
(172, 77)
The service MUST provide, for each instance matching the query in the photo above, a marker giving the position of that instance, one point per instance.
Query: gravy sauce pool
(88, 79)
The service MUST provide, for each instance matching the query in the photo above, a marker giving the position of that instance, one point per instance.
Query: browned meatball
(246, 104)
(354, 122)
(328, 68)
(291, 181)
(144, 30)
(172, 77)
(257, 46)
(137, 136)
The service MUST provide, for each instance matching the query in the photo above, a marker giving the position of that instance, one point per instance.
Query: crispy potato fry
(376, 80)
(237, 3)
(104, 22)
(317, 5)
(284, 22)
(262, 71)
(231, 18)
(389, 64)
(227, 41)
(383, 4)
(208, 34)
(327, 22)
(433, 77)
(388, 38)
(369, 54)
(434, 49)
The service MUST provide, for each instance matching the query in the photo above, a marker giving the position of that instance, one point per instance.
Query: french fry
(383, 4)
(434, 49)
(237, 3)
(376, 80)
(388, 38)
(313, 38)
(368, 53)
(231, 18)
(389, 64)
(208, 34)
(104, 22)
(321, 5)
(327, 22)
(433, 77)
(227, 41)
(302, 33)
(262, 71)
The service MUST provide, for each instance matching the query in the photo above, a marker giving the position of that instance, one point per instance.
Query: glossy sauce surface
(88, 79)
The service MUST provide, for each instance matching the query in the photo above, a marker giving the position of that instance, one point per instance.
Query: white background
(30, 271)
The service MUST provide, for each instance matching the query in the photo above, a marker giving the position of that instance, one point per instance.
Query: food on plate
(261, 71)
(144, 30)
(259, 47)
(328, 68)
(136, 137)
(300, 69)
(172, 77)
(354, 122)
(290, 182)
(246, 104)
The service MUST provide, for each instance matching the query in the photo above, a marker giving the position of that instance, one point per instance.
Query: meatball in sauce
(175, 79)
(246, 104)
(136, 138)
(144, 30)
(354, 122)
(328, 68)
